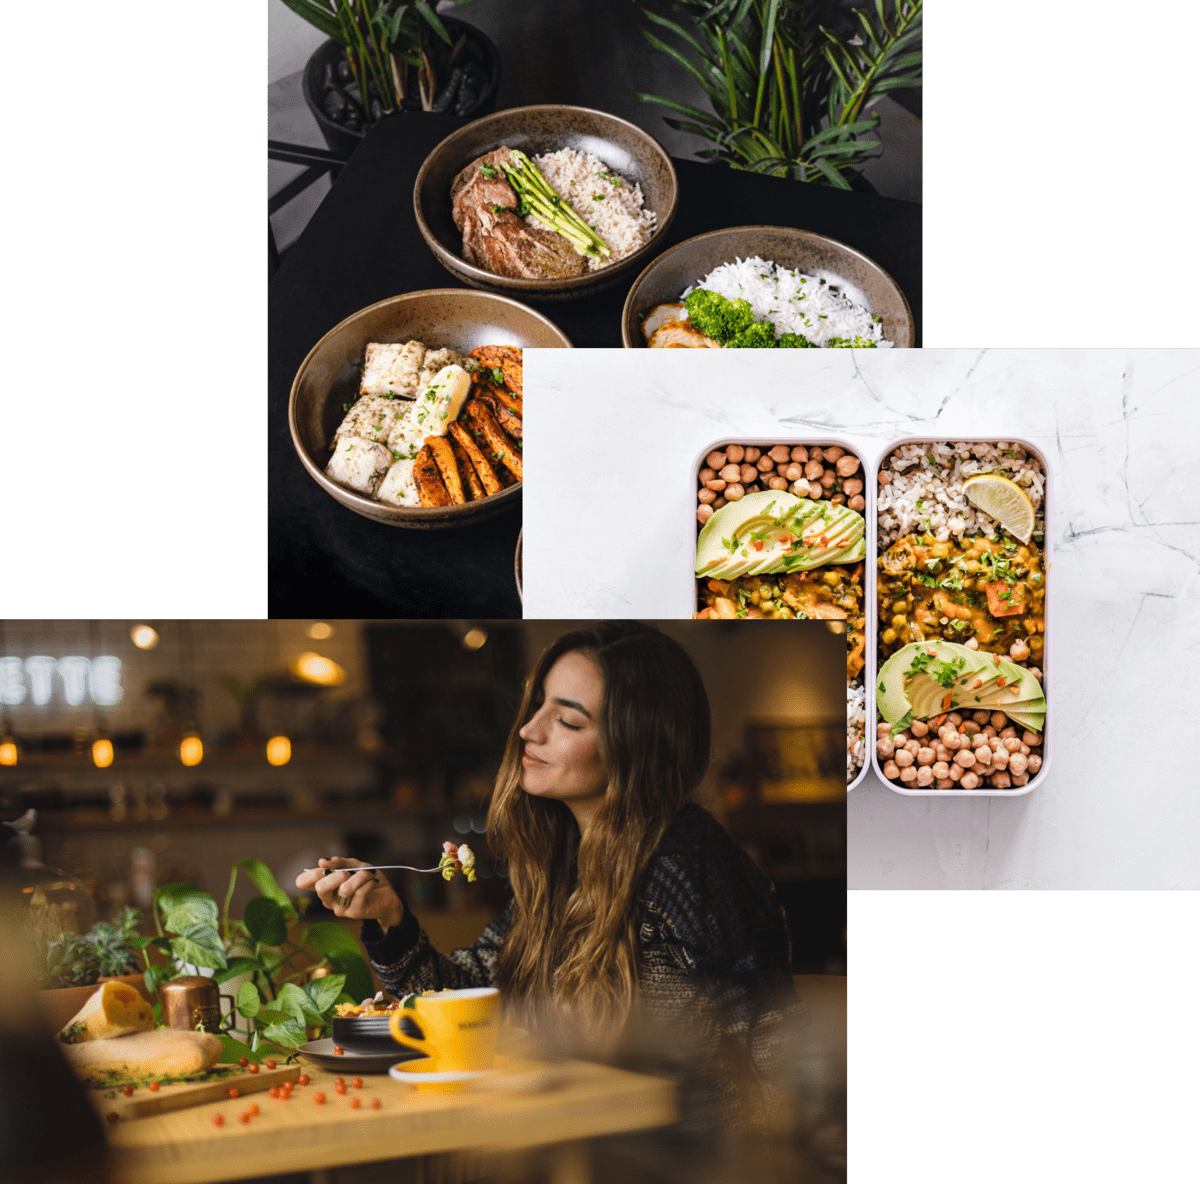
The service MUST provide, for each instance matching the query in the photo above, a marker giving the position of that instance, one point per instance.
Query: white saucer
(448, 1077)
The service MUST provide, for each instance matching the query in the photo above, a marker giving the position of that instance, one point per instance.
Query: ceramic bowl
(628, 150)
(441, 317)
(668, 276)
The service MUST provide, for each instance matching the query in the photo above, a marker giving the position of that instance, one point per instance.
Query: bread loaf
(116, 1009)
(164, 1052)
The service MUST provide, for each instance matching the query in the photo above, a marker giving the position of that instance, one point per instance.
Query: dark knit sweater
(714, 963)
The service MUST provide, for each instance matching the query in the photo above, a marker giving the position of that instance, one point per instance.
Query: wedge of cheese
(164, 1052)
(115, 1009)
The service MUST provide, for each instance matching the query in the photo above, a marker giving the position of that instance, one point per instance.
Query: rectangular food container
(872, 622)
(868, 513)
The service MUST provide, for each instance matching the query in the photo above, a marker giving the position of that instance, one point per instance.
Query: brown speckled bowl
(441, 317)
(626, 149)
(668, 276)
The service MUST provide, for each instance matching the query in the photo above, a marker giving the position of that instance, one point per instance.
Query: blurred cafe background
(140, 753)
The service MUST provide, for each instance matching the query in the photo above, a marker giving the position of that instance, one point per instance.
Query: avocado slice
(763, 533)
(916, 679)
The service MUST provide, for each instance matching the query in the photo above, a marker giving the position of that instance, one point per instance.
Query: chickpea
(964, 757)
(813, 470)
(747, 474)
(716, 483)
(956, 772)
(1001, 780)
(814, 490)
(734, 492)
(815, 454)
(983, 756)
(1020, 779)
(972, 643)
(1012, 744)
(705, 476)
(980, 717)
(969, 781)
(970, 727)
(827, 479)
(1036, 673)
(885, 478)
(883, 730)
(731, 473)
(941, 769)
(1008, 733)
(1024, 750)
(953, 741)
(794, 472)
(990, 733)
(703, 514)
(834, 453)
(719, 503)
(847, 466)
(838, 499)
(752, 454)
(943, 783)
(777, 483)
(852, 486)
(901, 738)
(779, 453)
(884, 746)
(1019, 650)
(735, 453)
(924, 756)
(998, 720)
(891, 770)
(919, 728)
(913, 746)
(1030, 738)
(955, 719)
(924, 776)
(715, 460)
(1033, 762)
(899, 621)
(903, 758)
(889, 636)
(1018, 763)
(705, 496)
(908, 773)
(800, 453)
(857, 502)
(942, 753)
(765, 464)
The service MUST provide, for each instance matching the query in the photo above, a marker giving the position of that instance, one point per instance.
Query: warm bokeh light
(191, 750)
(321, 671)
(8, 753)
(102, 753)
(143, 637)
(279, 750)
(474, 638)
(320, 631)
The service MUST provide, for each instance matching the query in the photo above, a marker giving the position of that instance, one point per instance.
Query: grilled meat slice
(431, 489)
(475, 488)
(487, 475)
(497, 443)
(447, 463)
(505, 358)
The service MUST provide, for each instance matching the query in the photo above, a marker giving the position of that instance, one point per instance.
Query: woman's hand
(361, 896)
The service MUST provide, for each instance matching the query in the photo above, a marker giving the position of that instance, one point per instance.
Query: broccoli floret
(794, 341)
(851, 343)
(755, 336)
(717, 317)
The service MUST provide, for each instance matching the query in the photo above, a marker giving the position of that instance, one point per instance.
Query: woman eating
(633, 909)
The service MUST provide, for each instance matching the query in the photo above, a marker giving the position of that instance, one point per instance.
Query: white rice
(606, 202)
(818, 307)
(856, 728)
(925, 491)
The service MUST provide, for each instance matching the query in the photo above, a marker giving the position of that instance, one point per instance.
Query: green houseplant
(275, 1004)
(790, 92)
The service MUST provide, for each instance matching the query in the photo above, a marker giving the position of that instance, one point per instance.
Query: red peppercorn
(340, 1087)
(271, 1062)
(251, 1068)
(253, 1109)
(234, 1092)
(127, 1090)
(376, 1104)
(337, 1052)
(243, 1062)
(319, 1098)
(218, 1120)
(273, 1092)
(357, 1083)
(303, 1079)
(355, 1103)
(154, 1087)
(244, 1118)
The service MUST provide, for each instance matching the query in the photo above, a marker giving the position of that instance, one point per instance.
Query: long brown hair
(573, 938)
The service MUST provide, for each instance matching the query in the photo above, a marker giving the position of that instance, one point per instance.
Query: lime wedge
(1003, 500)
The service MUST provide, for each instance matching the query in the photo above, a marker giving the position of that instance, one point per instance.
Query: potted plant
(70, 966)
(790, 95)
(383, 56)
(280, 1002)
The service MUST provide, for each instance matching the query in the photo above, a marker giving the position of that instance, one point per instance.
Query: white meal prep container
(870, 484)
(1047, 547)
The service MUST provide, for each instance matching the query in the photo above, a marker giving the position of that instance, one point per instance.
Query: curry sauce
(993, 590)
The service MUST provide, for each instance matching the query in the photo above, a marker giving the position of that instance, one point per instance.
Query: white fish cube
(372, 418)
(398, 488)
(358, 463)
(441, 401)
(435, 360)
(392, 368)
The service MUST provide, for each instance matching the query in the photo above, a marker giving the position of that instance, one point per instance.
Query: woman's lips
(527, 758)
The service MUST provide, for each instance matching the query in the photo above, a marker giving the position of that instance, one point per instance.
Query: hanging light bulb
(8, 750)
(320, 631)
(474, 639)
(322, 672)
(191, 749)
(144, 637)
(102, 752)
(279, 750)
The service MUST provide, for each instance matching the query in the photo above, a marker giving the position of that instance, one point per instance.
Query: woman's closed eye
(573, 727)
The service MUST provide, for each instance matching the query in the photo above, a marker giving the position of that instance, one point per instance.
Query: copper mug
(192, 1000)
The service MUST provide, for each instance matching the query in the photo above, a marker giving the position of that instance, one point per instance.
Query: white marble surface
(611, 438)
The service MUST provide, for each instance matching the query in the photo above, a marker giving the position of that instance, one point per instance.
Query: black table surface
(362, 245)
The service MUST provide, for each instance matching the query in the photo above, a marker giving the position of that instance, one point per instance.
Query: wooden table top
(579, 1100)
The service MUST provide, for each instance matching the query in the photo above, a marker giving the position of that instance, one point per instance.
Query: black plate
(361, 1058)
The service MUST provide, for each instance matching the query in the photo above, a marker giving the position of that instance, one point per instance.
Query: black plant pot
(323, 63)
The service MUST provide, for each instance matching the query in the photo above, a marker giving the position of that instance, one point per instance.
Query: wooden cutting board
(144, 1101)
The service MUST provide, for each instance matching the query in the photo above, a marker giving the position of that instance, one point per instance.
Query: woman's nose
(532, 728)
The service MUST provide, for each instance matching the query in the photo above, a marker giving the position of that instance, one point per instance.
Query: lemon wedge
(1003, 500)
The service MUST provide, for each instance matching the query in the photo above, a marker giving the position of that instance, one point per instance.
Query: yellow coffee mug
(459, 1028)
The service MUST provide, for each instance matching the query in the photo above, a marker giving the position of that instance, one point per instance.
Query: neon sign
(35, 679)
